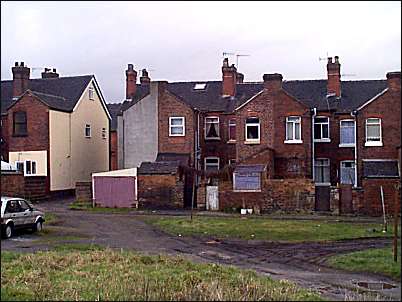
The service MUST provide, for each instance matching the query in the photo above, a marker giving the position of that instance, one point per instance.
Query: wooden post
(396, 213)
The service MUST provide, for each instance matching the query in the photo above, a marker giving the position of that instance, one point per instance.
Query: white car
(18, 213)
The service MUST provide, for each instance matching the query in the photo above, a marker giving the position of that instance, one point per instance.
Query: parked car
(18, 213)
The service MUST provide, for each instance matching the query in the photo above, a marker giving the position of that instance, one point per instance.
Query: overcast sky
(184, 41)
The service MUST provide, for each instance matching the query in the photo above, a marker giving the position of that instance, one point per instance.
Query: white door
(212, 198)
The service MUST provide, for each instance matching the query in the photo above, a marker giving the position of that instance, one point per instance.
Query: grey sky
(184, 41)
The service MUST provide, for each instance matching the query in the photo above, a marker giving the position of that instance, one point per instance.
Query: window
(373, 132)
(293, 129)
(13, 206)
(347, 172)
(232, 130)
(321, 129)
(211, 163)
(19, 165)
(200, 86)
(87, 130)
(176, 126)
(91, 93)
(247, 181)
(30, 167)
(347, 135)
(20, 123)
(23, 205)
(232, 161)
(253, 130)
(104, 133)
(212, 128)
(321, 171)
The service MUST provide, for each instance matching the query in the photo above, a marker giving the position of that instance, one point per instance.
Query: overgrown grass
(371, 260)
(112, 275)
(266, 229)
(87, 206)
(50, 218)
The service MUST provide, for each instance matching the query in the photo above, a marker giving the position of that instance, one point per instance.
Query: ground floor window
(348, 172)
(321, 171)
(211, 163)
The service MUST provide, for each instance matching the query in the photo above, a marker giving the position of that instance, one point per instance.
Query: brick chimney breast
(229, 78)
(394, 80)
(272, 81)
(334, 77)
(131, 81)
(145, 79)
(239, 78)
(20, 78)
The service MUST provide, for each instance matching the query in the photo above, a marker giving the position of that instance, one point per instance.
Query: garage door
(114, 192)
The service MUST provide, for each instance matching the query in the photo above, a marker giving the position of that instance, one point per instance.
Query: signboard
(247, 181)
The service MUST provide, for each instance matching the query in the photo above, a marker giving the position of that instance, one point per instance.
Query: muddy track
(303, 263)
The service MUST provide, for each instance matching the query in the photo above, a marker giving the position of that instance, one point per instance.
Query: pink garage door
(114, 192)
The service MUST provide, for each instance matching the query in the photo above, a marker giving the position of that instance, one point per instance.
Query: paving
(303, 263)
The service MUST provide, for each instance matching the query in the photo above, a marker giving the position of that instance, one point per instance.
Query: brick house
(301, 132)
(55, 128)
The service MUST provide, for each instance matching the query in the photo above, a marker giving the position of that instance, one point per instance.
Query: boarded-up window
(247, 181)
(20, 123)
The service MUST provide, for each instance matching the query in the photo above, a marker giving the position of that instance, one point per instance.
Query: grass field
(266, 229)
(89, 273)
(371, 260)
(87, 206)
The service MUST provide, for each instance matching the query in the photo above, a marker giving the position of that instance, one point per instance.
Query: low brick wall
(160, 191)
(277, 194)
(201, 195)
(83, 191)
(15, 184)
(371, 203)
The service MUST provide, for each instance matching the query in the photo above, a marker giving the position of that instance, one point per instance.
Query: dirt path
(303, 263)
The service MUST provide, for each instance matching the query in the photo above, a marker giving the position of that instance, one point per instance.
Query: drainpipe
(312, 141)
(354, 114)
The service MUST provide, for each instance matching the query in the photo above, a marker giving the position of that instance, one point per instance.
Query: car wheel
(38, 226)
(8, 231)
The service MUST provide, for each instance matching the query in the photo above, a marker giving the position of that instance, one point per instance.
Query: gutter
(354, 114)
(312, 141)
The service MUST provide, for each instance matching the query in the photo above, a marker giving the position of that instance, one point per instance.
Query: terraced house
(54, 129)
(326, 145)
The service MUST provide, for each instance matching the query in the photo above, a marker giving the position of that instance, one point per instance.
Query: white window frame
(232, 161)
(231, 123)
(293, 141)
(354, 171)
(26, 166)
(217, 128)
(211, 157)
(91, 93)
(329, 168)
(340, 133)
(104, 135)
(183, 125)
(246, 125)
(369, 143)
(87, 126)
(326, 139)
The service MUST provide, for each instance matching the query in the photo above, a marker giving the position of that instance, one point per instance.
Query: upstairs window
(373, 132)
(253, 130)
(293, 129)
(321, 171)
(20, 123)
(88, 130)
(232, 130)
(91, 93)
(321, 129)
(104, 133)
(176, 126)
(211, 163)
(212, 128)
(347, 133)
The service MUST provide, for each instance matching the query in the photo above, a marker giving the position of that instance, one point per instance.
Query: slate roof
(380, 169)
(58, 93)
(182, 158)
(161, 167)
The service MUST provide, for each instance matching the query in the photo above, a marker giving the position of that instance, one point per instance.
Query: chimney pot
(131, 82)
(240, 78)
(336, 59)
(16, 64)
(22, 64)
(329, 60)
(54, 69)
(144, 79)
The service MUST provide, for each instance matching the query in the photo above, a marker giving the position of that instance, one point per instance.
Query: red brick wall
(169, 106)
(4, 137)
(372, 204)
(16, 185)
(113, 150)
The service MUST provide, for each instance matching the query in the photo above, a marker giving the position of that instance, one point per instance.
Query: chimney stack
(240, 78)
(47, 74)
(394, 81)
(144, 79)
(272, 82)
(20, 79)
(334, 77)
(229, 78)
(131, 81)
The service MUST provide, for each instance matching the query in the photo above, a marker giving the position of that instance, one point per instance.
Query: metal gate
(345, 198)
(212, 198)
(322, 197)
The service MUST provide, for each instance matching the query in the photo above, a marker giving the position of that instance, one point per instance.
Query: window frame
(246, 125)
(231, 123)
(23, 165)
(340, 133)
(26, 123)
(329, 170)
(369, 143)
(183, 125)
(211, 157)
(30, 166)
(293, 140)
(354, 171)
(88, 126)
(104, 133)
(91, 93)
(326, 139)
(217, 128)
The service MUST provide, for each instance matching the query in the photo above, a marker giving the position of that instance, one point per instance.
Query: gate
(322, 197)
(345, 198)
(212, 198)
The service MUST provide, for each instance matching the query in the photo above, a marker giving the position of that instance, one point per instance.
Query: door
(27, 217)
(114, 192)
(212, 198)
(322, 196)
